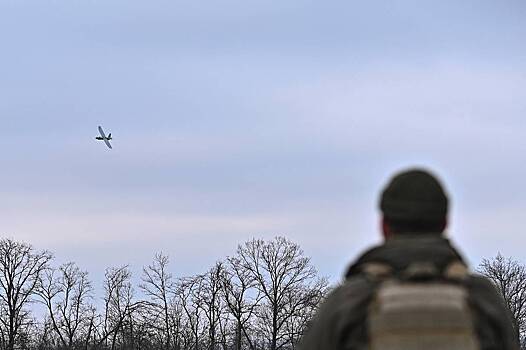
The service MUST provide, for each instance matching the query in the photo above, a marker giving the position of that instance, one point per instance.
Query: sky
(235, 120)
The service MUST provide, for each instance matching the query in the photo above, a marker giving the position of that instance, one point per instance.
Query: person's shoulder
(482, 286)
(484, 294)
(341, 316)
(349, 295)
(487, 301)
(492, 316)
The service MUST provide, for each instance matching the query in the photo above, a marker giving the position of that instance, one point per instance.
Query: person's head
(415, 202)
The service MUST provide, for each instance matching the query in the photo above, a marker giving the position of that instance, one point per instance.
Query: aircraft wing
(104, 137)
(107, 142)
(102, 132)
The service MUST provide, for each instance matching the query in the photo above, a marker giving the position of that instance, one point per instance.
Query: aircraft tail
(109, 136)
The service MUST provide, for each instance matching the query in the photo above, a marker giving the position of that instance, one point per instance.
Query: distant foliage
(262, 297)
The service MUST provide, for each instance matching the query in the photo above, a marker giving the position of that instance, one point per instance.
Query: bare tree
(279, 270)
(300, 306)
(20, 270)
(118, 295)
(211, 301)
(189, 291)
(177, 323)
(159, 286)
(241, 298)
(509, 276)
(67, 298)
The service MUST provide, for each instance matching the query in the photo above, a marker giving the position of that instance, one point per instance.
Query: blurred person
(414, 291)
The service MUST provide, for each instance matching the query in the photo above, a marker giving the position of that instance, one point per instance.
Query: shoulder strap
(377, 271)
(418, 271)
(456, 271)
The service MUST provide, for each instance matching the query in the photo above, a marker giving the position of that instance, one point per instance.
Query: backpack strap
(456, 271)
(418, 271)
(377, 271)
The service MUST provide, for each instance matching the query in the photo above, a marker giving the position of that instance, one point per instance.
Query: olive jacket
(341, 321)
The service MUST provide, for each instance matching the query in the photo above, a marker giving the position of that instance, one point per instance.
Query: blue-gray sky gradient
(236, 119)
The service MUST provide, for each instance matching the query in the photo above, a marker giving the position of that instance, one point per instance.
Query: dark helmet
(414, 195)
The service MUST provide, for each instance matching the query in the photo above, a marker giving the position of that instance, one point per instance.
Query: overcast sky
(238, 119)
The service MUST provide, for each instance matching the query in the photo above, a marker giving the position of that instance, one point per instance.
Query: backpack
(420, 309)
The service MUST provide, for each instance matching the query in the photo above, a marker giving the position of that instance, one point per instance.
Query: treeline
(262, 297)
